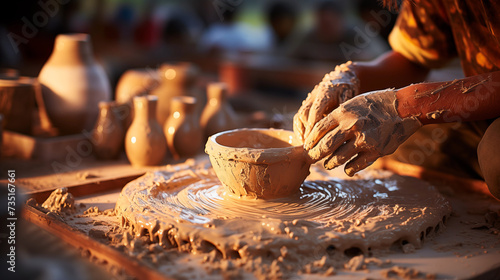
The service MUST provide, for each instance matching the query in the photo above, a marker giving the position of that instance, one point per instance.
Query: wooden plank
(79, 239)
(87, 188)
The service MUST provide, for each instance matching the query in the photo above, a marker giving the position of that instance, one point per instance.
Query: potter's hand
(336, 87)
(367, 126)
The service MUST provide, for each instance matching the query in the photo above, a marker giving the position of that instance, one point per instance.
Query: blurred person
(334, 39)
(450, 126)
(229, 37)
(283, 21)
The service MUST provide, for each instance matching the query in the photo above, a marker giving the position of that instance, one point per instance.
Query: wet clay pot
(17, 103)
(218, 115)
(108, 133)
(73, 84)
(182, 128)
(175, 80)
(134, 82)
(145, 143)
(262, 163)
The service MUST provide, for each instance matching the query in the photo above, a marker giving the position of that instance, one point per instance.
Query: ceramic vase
(134, 82)
(108, 133)
(145, 143)
(73, 84)
(218, 115)
(182, 128)
(175, 80)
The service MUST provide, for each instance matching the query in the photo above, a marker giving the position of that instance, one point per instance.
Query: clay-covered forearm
(390, 70)
(468, 99)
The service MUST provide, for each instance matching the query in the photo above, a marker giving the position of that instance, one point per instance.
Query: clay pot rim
(83, 37)
(191, 100)
(255, 155)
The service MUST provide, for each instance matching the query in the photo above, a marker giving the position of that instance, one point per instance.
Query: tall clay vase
(73, 84)
(108, 133)
(145, 143)
(218, 115)
(182, 128)
(175, 80)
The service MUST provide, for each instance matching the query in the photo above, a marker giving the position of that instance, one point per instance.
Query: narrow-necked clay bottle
(108, 133)
(218, 115)
(73, 84)
(175, 80)
(182, 128)
(145, 143)
(134, 82)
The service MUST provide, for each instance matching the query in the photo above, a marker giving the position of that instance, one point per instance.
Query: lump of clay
(60, 200)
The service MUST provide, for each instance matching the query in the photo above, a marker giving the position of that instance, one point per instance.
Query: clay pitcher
(182, 128)
(145, 143)
(218, 115)
(175, 80)
(134, 82)
(73, 84)
(108, 133)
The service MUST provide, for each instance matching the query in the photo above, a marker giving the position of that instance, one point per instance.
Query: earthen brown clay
(182, 128)
(488, 153)
(145, 143)
(322, 227)
(108, 133)
(217, 115)
(60, 200)
(175, 80)
(73, 84)
(263, 163)
(17, 103)
(134, 82)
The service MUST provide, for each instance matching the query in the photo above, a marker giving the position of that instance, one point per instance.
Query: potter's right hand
(336, 87)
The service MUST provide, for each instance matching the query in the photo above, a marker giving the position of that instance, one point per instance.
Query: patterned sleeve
(422, 33)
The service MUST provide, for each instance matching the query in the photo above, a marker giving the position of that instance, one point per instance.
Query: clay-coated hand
(336, 87)
(367, 127)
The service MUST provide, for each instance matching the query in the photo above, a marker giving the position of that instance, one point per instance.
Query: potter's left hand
(367, 126)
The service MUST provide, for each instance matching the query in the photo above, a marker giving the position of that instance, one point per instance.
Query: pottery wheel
(186, 207)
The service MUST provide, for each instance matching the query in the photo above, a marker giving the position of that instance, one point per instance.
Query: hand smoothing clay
(322, 226)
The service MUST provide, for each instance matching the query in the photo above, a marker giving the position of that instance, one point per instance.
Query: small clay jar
(145, 143)
(182, 128)
(108, 133)
(17, 103)
(175, 80)
(73, 84)
(134, 82)
(218, 115)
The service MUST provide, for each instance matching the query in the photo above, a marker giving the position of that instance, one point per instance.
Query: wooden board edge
(85, 189)
(78, 239)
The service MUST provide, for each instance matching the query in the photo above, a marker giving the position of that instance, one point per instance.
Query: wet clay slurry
(329, 219)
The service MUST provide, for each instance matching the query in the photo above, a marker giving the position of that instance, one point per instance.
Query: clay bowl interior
(261, 163)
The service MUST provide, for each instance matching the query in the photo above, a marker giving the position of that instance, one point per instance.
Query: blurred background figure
(230, 37)
(334, 39)
(283, 22)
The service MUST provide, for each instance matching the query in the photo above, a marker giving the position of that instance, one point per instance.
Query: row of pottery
(184, 133)
(76, 94)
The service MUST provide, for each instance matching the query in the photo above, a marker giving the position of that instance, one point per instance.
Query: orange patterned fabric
(432, 32)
